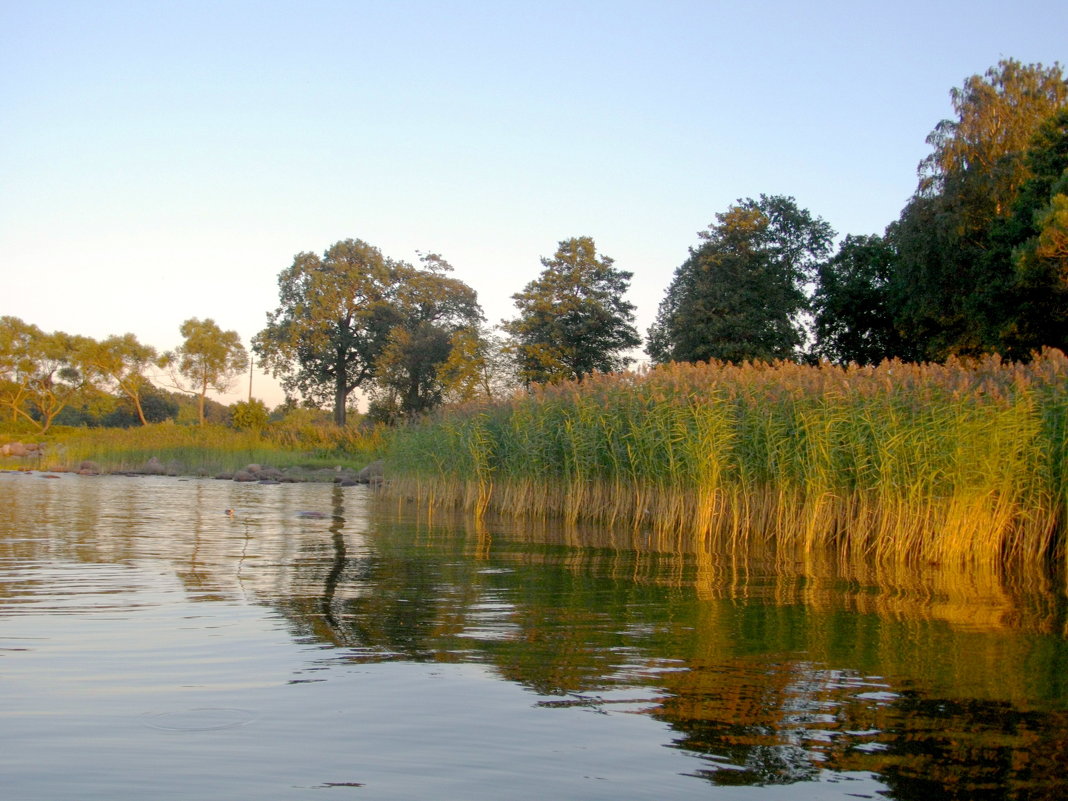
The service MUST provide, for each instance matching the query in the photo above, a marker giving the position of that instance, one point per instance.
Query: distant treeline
(977, 263)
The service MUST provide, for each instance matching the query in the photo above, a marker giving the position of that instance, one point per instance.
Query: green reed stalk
(961, 463)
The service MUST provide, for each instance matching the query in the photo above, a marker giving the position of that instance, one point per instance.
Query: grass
(960, 463)
(208, 450)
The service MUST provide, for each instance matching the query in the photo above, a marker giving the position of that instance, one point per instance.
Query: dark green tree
(742, 293)
(157, 405)
(573, 320)
(852, 312)
(1034, 240)
(431, 308)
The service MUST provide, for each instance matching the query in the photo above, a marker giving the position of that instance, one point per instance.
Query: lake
(322, 642)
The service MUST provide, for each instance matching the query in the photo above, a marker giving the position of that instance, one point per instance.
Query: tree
(157, 405)
(121, 362)
(208, 358)
(1035, 241)
(479, 366)
(40, 373)
(853, 316)
(250, 415)
(573, 320)
(741, 294)
(983, 147)
(431, 309)
(17, 364)
(953, 286)
(332, 323)
(354, 318)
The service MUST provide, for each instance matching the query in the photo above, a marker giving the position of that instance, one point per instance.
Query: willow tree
(208, 358)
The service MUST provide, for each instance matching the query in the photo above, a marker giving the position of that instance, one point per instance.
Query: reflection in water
(763, 671)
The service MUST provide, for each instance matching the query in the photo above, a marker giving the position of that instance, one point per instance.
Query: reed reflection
(767, 669)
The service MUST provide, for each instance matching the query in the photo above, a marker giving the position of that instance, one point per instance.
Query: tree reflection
(768, 670)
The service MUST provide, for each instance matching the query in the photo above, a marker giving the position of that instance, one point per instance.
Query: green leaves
(573, 320)
(207, 358)
(354, 318)
(740, 294)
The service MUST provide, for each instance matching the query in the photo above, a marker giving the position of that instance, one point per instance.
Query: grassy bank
(961, 463)
(205, 450)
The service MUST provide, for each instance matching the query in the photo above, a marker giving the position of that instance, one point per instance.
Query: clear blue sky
(166, 160)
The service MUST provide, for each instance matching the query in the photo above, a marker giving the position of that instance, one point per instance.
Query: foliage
(480, 366)
(431, 310)
(957, 463)
(120, 363)
(853, 314)
(982, 149)
(250, 415)
(1035, 241)
(573, 320)
(954, 284)
(40, 373)
(332, 322)
(207, 358)
(354, 316)
(741, 293)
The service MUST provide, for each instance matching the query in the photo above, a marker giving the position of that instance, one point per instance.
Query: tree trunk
(340, 392)
(140, 411)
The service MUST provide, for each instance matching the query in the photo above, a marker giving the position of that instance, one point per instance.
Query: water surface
(322, 643)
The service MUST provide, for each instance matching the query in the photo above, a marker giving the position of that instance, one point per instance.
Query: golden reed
(961, 463)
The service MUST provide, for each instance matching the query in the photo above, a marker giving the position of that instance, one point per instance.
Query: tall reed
(963, 462)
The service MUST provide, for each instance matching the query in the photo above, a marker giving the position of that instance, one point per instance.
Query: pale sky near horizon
(166, 160)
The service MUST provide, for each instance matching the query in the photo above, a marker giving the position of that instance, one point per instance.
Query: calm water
(326, 644)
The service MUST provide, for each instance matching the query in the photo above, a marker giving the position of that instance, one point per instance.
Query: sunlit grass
(209, 450)
(960, 463)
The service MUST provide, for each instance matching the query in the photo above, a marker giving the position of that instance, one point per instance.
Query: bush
(249, 415)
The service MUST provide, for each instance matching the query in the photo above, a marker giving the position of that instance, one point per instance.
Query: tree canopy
(741, 293)
(208, 358)
(121, 362)
(353, 316)
(573, 318)
(431, 310)
(40, 373)
(852, 312)
(954, 285)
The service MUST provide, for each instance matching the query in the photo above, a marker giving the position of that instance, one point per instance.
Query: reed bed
(959, 463)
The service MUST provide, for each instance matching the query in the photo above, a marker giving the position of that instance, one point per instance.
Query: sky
(167, 160)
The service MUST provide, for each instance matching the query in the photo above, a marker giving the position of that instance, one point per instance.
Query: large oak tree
(353, 318)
